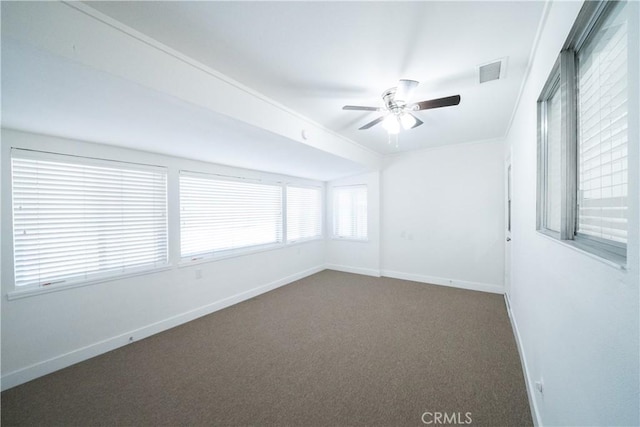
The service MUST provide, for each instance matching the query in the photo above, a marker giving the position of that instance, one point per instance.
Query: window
(350, 212)
(77, 219)
(551, 150)
(220, 214)
(602, 137)
(583, 135)
(304, 213)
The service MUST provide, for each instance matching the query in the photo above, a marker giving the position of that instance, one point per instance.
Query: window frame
(184, 261)
(101, 275)
(235, 251)
(565, 69)
(334, 213)
(551, 87)
(285, 228)
(603, 247)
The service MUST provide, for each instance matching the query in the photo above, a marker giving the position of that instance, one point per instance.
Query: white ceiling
(43, 93)
(312, 57)
(315, 57)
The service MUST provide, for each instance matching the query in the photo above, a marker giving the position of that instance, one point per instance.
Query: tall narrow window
(304, 213)
(350, 212)
(218, 214)
(77, 219)
(552, 159)
(602, 137)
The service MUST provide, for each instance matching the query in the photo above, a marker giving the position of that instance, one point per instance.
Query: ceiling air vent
(491, 71)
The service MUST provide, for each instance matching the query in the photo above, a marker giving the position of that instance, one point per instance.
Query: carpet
(331, 349)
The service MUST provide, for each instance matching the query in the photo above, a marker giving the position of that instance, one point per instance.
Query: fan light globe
(391, 125)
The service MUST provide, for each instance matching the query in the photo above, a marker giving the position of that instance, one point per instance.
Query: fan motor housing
(388, 96)
(389, 101)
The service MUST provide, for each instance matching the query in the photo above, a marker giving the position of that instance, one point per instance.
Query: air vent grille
(490, 71)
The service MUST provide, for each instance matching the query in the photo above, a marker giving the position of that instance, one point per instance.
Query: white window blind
(77, 219)
(603, 136)
(218, 214)
(350, 212)
(304, 213)
(553, 161)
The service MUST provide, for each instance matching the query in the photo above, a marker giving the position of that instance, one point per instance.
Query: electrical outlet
(540, 386)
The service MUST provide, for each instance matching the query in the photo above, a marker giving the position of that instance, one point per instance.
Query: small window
(219, 214)
(350, 212)
(77, 219)
(304, 213)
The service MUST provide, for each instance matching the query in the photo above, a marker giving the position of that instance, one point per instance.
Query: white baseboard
(39, 369)
(356, 270)
(531, 390)
(474, 286)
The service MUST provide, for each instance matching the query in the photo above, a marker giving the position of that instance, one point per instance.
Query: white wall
(576, 316)
(48, 331)
(362, 257)
(443, 216)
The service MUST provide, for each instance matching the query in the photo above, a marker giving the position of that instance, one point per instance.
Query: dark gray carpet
(331, 349)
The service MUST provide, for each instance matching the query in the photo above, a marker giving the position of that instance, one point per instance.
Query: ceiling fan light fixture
(397, 113)
(391, 124)
(407, 121)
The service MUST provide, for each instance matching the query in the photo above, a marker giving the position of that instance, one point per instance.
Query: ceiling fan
(397, 111)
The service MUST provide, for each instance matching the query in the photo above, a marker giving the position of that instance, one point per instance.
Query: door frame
(508, 222)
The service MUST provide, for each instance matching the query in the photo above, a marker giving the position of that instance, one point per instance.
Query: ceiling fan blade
(418, 122)
(436, 103)
(404, 90)
(360, 108)
(372, 123)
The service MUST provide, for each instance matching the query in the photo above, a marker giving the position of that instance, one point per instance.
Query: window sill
(612, 260)
(307, 240)
(234, 253)
(345, 239)
(31, 291)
